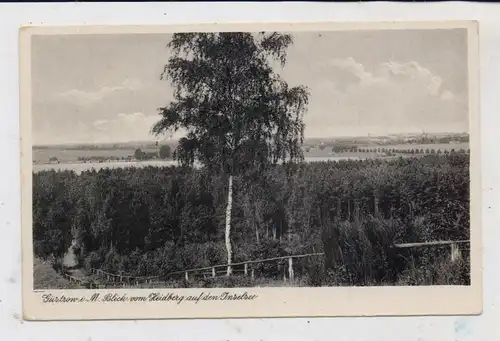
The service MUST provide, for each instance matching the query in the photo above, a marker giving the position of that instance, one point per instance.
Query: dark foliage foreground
(152, 221)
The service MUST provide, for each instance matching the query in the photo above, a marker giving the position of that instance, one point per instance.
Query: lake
(80, 167)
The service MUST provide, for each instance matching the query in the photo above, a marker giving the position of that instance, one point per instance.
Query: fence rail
(245, 262)
(105, 274)
(117, 280)
(434, 243)
(74, 279)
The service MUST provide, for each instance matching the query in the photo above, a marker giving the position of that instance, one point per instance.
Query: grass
(45, 277)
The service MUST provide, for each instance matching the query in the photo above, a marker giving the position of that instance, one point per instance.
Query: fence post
(455, 252)
(186, 276)
(246, 269)
(213, 272)
(290, 269)
(253, 274)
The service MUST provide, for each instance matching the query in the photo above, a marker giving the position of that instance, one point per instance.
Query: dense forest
(155, 220)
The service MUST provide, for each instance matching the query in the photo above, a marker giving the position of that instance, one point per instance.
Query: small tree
(139, 154)
(233, 105)
(165, 152)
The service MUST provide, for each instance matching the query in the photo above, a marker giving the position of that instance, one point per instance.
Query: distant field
(42, 155)
(327, 151)
(442, 146)
(71, 155)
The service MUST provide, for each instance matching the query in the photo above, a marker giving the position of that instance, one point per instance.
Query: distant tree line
(344, 149)
(99, 158)
(164, 152)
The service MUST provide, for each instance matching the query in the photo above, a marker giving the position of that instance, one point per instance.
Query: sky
(107, 88)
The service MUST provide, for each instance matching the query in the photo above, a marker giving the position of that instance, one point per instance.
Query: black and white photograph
(251, 159)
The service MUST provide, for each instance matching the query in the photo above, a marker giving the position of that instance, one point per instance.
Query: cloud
(392, 97)
(124, 127)
(447, 95)
(121, 128)
(410, 73)
(345, 73)
(90, 97)
(76, 132)
(351, 66)
(63, 111)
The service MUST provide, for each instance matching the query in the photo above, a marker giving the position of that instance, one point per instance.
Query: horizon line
(305, 139)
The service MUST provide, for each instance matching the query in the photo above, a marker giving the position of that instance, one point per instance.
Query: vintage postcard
(244, 170)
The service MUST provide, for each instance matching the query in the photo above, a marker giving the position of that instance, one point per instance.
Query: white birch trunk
(228, 226)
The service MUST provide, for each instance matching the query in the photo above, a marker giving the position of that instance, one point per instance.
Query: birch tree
(237, 113)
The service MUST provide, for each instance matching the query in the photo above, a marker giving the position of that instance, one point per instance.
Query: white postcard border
(270, 302)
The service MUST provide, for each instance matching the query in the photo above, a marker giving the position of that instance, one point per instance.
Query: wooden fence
(246, 264)
(455, 253)
(125, 279)
(73, 279)
(83, 281)
(248, 270)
